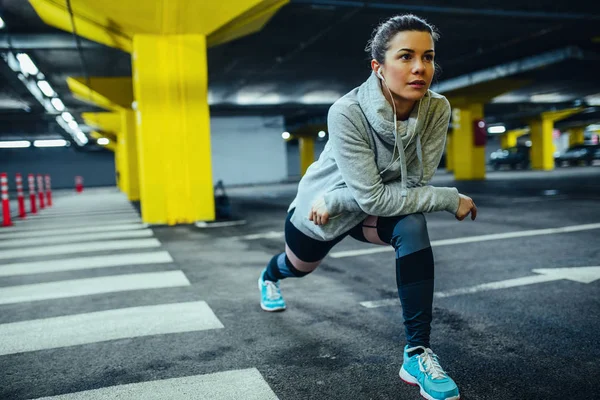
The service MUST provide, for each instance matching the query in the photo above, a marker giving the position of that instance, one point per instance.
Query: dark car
(513, 157)
(579, 154)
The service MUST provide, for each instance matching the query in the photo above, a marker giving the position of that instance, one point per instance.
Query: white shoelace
(273, 292)
(428, 363)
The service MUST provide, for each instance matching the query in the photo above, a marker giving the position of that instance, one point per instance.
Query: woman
(386, 139)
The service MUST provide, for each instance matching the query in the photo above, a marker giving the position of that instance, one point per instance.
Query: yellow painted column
(576, 136)
(307, 152)
(121, 154)
(508, 139)
(542, 145)
(173, 130)
(129, 147)
(449, 152)
(469, 159)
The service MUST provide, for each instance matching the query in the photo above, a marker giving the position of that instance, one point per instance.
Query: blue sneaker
(424, 370)
(270, 295)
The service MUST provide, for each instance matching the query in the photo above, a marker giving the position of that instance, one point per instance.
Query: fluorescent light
(103, 141)
(81, 136)
(73, 124)
(285, 135)
(322, 134)
(2, 24)
(15, 144)
(67, 117)
(497, 129)
(50, 143)
(27, 65)
(58, 104)
(46, 88)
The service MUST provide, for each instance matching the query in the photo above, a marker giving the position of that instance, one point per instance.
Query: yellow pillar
(449, 152)
(307, 152)
(509, 138)
(469, 159)
(542, 144)
(171, 90)
(128, 146)
(576, 136)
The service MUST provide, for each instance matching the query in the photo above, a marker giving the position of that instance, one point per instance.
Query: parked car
(579, 154)
(513, 157)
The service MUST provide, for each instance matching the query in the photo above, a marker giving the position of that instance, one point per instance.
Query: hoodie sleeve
(365, 189)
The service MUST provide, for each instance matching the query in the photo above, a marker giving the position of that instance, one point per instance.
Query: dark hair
(383, 34)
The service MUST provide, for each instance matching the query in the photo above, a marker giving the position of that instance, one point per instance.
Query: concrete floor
(525, 335)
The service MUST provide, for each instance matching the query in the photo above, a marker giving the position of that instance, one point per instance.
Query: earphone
(379, 74)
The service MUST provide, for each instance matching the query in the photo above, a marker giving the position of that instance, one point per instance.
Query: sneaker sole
(265, 308)
(408, 378)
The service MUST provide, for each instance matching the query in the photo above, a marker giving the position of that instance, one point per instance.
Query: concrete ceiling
(312, 52)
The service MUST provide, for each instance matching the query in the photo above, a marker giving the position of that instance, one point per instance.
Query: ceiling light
(27, 65)
(67, 117)
(286, 135)
(46, 88)
(50, 143)
(73, 124)
(497, 129)
(15, 144)
(2, 24)
(58, 104)
(322, 134)
(103, 141)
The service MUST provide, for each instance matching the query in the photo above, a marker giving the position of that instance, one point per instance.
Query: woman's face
(409, 64)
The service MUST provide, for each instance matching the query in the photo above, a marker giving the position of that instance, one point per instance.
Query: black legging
(414, 263)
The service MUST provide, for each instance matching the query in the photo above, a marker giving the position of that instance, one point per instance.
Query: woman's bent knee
(410, 234)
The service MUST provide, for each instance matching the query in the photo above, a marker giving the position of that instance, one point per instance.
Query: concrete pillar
(469, 158)
(307, 152)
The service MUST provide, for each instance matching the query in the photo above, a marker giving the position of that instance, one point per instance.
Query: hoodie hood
(380, 114)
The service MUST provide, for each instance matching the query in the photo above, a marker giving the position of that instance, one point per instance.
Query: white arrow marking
(578, 274)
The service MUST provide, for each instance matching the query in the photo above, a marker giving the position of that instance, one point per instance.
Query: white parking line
(79, 248)
(247, 384)
(72, 330)
(73, 264)
(70, 231)
(472, 239)
(75, 239)
(91, 286)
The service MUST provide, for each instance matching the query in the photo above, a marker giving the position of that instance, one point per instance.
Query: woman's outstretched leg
(302, 255)
(414, 277)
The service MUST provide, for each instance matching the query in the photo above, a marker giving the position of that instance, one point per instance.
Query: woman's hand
(466, 206)
(318, 213)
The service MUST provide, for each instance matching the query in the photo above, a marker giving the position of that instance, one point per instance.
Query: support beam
(128, 147)
(576, 136)
(307, 152)
(542, 141)
(112, 94)
(171, 89)
(104, 121)
(509, 138)
(469, 154)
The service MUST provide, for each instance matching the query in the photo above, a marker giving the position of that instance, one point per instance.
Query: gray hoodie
(353, 173)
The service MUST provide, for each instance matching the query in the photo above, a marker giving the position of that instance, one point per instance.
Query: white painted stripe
(204, 224)
(246, 384)
(91, 286)
(86, 211)
(72, 330)
(527, 280)
(70, 231)
(472, 239)
(70, 217)
(264, 235)
(29, 225)
(81, 263)
(75, 239)
(79, 248)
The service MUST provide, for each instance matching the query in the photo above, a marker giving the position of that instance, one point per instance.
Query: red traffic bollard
(5, 204)
(40, 186)
(31, 181)
(79, 184)
(48, 191)
(20, 195)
